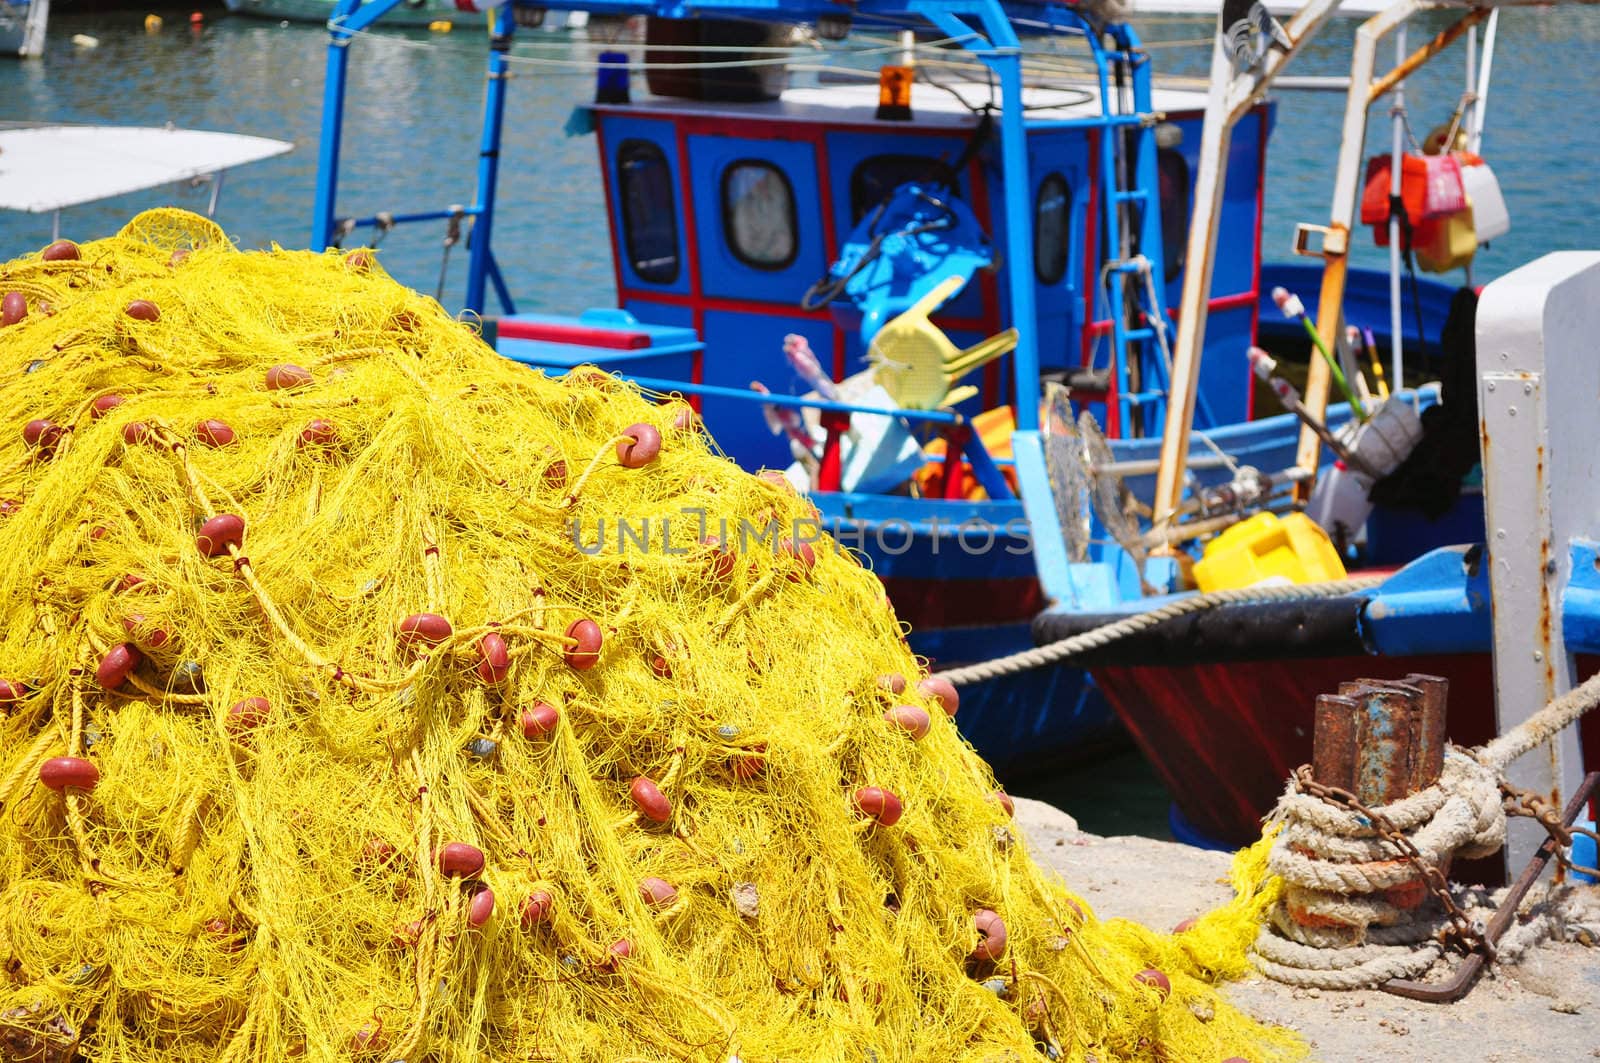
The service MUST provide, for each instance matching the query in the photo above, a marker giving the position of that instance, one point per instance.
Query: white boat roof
(1281, 8)
(46, 168)
(857, 104)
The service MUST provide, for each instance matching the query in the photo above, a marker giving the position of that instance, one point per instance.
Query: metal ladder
(1140, 329)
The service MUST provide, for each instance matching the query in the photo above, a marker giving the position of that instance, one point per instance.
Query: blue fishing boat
(780, 239)
(22, 27)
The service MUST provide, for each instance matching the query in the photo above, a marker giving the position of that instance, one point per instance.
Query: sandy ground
(1546, 1008)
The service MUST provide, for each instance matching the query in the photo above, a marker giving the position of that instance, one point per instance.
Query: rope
(1353, 913)
(1067, 648)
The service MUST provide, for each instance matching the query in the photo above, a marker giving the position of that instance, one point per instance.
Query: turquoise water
(411, 143)
(414, 109)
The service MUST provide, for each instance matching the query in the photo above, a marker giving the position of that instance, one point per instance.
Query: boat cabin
(723, 214)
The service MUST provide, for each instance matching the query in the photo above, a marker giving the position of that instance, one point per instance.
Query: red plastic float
(136, 432)
(642, 449)
(910, 719)
(494, 660)
(722, 561)
(319, 433)
(286, 377)
(459, 860)
(153, 638)
(11, 693)
(249, 714)
(480, 907)
(58, 773)
(378, 853)
(214, 433)
(219, 533)
(539, 720)
(60, 251)
(942, 690)
(798, 549)
(360, 261)
(425, 629)
(1186, 925)
(41, 433)
(776, 479)
(894, 683)
(555, 474)
(1156, 980)
(586, 654)
(104, 405)
(620, 949)
(13, 308)
(683, 417)
(118, 663)
(536, 909)
(881, 806)
(747, 766)
(649, 800)
(1006, 803)
(992, 931)
(143, 310)
(658, 892)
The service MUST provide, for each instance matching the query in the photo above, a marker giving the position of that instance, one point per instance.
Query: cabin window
(758, 215)
(649, 211)
(1174, 170)
(1051, 209)
(874, 178)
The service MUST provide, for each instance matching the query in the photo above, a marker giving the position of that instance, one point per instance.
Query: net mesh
(247, 778)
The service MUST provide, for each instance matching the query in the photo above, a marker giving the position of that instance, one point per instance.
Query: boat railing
(961, 443)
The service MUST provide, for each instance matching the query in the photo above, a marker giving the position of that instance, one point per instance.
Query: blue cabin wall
(742, 311)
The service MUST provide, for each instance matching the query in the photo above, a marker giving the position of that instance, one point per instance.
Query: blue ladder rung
(1135, 334)
(1131, 195)
(1139, 398)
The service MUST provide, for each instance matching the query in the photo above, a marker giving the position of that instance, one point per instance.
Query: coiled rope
(1072, 646)
(1351, 915)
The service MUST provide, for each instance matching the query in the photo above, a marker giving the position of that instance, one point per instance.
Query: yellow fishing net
(306, 753)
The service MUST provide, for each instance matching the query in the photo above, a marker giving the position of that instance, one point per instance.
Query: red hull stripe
(927, 604)
(578, 335)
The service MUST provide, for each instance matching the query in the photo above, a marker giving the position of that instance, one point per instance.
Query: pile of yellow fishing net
(333, 726)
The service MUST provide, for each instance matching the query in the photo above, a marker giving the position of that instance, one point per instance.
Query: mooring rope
(1067, 648)
(1353, 914)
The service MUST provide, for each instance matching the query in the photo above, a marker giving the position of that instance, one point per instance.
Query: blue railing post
(494, 110)
(333, 86)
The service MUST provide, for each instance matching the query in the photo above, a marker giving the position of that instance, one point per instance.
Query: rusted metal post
(1384, 716)
(1333, 741)
(1429, 732)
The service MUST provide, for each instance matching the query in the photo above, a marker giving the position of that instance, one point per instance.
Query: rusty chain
(1465, 934)
(1517, 801)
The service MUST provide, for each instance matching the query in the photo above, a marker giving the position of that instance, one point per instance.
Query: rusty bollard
(1381, 739)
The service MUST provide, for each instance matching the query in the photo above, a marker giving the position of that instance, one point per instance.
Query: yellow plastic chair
(915, 361)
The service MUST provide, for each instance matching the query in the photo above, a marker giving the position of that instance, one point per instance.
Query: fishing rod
(1265, 367)
(1292, 308)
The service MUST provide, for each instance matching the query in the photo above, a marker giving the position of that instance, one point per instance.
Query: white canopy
(46, 168)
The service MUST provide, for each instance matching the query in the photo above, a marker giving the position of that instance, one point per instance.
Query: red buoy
(13, 308)
(286, 377)
(359, 261)
(941, 690)
(41, 433)
(319, 433)
(777, 479)
(11, 693)
(214, 433)
(536, 909)
(555, 474)
(219, 533)
(136, 432)
(658, 892)
(480, 907)
(683, 417)
(642, 449)
(879, 805)
(539, 720)
(115, 667)
(910, 719)
(58, 773)
(798, 550)
(459, 860)
(152, 639)
(1006, 803)
(494, 660)
(892, 684)
(649, 800)
(992, 935)
(1186, 925)
(1155, 980)
(586, 654)
(424, 629)
(749, 765)
(722, 562)
(143, 310)
(660, 667)
(249, 714)
(104, 405)
(620, 949)
(60, 251)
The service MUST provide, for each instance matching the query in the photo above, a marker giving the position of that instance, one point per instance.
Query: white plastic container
(1489, 216)
(1339, 502)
